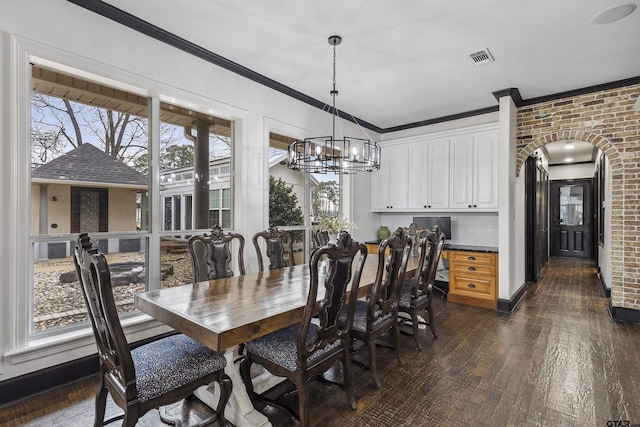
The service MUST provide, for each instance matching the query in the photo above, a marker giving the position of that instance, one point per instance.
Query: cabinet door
(486, 171)
(461, 173)
(438, 174)
(389, 184)
(418, 180)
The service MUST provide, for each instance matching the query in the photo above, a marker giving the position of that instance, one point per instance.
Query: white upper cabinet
(474, 171)
(450, 171)
(428, 175)
(389, 184)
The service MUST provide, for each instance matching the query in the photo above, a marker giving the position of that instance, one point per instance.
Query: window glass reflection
(571, 205)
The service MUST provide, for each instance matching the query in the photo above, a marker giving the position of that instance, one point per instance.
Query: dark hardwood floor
(557, 360)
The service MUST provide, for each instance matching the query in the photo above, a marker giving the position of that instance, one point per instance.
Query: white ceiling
(407, 61)
(567, 152)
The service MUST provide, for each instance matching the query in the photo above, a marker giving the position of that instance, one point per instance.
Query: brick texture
(608, 120)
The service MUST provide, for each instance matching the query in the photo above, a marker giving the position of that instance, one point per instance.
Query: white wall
(60, 32)
(581, 170)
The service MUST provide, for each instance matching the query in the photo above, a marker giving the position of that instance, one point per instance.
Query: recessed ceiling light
(568, 160)
(569, 145)
(613, 14)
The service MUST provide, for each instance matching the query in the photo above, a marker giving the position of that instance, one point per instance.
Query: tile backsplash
(475, 229)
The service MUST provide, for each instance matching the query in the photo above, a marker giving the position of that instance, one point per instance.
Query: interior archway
(617, 196)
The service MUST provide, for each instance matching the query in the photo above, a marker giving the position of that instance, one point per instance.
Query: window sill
(81, 342)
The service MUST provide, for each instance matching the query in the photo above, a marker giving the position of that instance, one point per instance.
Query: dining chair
(378, 314)
(416, 295)
(211, 254)
(413, 231)
(309, 348)
(156, 374)
(320, 237)
(278, 246)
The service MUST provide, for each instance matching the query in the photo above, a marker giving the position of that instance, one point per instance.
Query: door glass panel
(571, 205)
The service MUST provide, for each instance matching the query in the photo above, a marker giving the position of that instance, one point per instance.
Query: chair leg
(430, 317)
(101, 404)
(245, 373)
(415, 323)
(396, 332)
(371, 343)
(348, 378)
(303, 400)
(226, 387)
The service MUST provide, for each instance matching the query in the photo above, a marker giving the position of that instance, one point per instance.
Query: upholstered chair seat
(170, 363)
(280, 347)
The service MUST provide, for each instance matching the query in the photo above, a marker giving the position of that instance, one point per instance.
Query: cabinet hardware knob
(471, 258)
(472, 269)
(475, 206)
(469, 205)
(471, 285)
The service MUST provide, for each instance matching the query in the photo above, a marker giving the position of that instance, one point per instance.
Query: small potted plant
(334, 225)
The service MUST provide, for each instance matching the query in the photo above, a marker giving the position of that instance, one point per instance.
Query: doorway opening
(563, 204)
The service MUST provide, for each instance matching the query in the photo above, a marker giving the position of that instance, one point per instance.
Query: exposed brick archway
(616, 204)
(597, 140)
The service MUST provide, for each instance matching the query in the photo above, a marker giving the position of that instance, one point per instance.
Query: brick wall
(608, 120)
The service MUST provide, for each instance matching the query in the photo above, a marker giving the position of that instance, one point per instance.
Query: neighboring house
(73, 194)
(177, 191)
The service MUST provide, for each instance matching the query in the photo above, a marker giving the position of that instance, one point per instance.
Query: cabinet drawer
(471, 258)
(472, 286)
(473, 269)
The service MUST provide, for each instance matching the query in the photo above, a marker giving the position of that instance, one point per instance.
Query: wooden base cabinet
(473, 278)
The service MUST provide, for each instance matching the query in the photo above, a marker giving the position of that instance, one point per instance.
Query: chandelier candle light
(323, 154)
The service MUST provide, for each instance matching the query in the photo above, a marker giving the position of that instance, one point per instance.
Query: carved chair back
(211, 256)
(345, 263)
(278, 246)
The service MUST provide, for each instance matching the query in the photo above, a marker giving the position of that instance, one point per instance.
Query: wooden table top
(226, 312)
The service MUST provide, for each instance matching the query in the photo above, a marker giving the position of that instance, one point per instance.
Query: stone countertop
(470, 248)
(456, 247)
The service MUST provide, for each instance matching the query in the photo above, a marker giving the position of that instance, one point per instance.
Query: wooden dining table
(226, 312)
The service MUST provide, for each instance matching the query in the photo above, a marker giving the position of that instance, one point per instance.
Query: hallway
(557, 360)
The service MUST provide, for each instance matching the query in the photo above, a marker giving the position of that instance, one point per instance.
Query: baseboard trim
(622, 314)
(605, 289)
(509, 305)
(33, 383)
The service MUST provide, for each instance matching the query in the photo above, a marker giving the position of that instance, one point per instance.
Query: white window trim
(16, 344)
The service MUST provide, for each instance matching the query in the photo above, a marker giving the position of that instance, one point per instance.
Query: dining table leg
(239, 410)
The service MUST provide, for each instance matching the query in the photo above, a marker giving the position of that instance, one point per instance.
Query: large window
(89, 145)
(195, 183)
(90, 164)
(295, 195)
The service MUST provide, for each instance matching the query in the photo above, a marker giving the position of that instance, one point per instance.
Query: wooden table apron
(226, 312)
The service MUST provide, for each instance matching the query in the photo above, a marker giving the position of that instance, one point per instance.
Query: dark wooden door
(572, 218)
(537, 218)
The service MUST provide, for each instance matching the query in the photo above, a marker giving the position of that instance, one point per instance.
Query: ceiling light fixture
(569, 145)
(568, 160)
(323, 154)
(613, 14)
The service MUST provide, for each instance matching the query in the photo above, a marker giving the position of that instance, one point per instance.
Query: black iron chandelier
(324, 154)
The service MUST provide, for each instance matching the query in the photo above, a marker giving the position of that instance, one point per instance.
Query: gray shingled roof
(88, 163)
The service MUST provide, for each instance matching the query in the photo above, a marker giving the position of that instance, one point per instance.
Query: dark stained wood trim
(605, 289)
(622, 314)
(508, 305)
(28, 385)
(137, 24)
(512, 92)
(583, 91)
(442, 119)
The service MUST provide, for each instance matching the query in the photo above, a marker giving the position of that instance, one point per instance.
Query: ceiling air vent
(482, 56)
